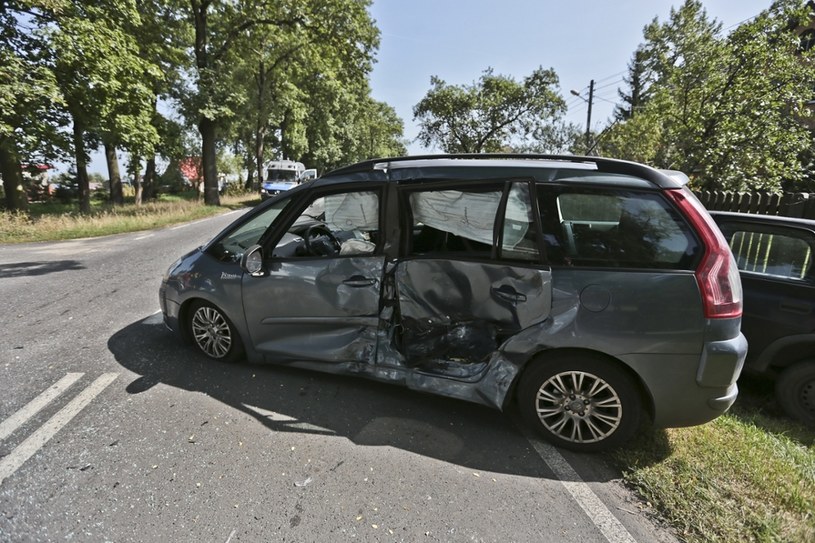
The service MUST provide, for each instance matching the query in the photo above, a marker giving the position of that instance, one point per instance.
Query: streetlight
(588, 117)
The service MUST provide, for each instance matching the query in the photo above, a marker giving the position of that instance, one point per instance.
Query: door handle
(359, 281)
(508, 294)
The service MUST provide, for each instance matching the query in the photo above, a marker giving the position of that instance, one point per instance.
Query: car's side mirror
(252, 261)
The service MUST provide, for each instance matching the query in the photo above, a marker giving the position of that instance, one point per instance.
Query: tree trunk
(259, 137)
(207, 129)
(250, 177)
(149, 182)
(81, 169)
(116, 193)
(12, 173)
(135, 166)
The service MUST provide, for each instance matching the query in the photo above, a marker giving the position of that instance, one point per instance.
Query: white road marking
(10, 463)
(611, 528)
(34, 406)
(144, 236)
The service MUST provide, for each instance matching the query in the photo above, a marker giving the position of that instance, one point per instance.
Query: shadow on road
(31, 269)
(367, 413)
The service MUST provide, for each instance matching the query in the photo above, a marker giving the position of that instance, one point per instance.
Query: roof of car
(464, 166)
(764, 219)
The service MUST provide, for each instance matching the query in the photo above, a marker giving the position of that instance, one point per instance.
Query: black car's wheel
(581, 402)
(213, 334)
(795, 391)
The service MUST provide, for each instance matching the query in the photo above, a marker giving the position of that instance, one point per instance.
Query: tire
(213, 333)
(581, 402)
(795, 392)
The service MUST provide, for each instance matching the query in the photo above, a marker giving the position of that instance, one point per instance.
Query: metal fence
(790, 204)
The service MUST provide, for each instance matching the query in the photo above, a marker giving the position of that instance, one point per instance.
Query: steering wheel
(315, 231)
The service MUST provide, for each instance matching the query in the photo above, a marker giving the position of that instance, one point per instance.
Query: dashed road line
(8, 426)
(611, 528)
(10, 463)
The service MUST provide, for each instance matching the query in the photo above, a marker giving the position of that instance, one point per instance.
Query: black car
(775, 259)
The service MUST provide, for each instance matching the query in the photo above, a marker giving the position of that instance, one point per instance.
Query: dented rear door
(473, 276)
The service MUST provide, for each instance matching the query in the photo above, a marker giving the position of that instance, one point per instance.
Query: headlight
(171, 269)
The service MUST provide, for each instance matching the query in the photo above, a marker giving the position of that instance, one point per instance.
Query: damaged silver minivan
(595, 293)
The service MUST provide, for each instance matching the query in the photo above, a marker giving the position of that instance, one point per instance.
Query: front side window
(619, 228)
(337, 224)
(770, 251)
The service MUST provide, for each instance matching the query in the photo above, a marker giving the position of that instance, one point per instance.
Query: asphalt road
(112, 430)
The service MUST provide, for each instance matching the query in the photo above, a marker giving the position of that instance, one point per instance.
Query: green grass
(50, 221)
(747, 476)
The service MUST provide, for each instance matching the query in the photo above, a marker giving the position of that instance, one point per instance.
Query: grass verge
(54, 221)
(747, 476)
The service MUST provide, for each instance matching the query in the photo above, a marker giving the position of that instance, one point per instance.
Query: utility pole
(588, 117)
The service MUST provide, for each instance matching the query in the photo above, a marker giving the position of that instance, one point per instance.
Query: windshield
(273, 174)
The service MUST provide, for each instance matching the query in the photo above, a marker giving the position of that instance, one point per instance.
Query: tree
(488, 115)
(727, 110)
(379, 131)
(100, 75)
(342, 29)
(305, 88)
(30, 114)
(638, 81)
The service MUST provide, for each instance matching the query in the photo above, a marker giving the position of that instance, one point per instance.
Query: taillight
(717, 274)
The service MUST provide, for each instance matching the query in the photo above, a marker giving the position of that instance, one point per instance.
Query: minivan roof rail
(662, 178)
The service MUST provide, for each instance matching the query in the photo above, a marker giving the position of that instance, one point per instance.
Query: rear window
(615, 228)
(765, 250)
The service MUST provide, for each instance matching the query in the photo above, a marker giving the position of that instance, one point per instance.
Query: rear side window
(479, 222)
(615, 228)
(776, 252)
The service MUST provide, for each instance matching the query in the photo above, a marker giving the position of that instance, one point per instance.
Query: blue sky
(457, 40)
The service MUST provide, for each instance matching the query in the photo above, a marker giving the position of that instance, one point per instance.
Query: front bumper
(170, 309)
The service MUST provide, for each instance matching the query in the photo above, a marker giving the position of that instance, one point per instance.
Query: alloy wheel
(578, 407)
(211, 332)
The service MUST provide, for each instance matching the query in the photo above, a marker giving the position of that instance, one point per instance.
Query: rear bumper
(722, 362)
(686, 390)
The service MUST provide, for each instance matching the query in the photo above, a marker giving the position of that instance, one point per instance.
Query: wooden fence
(790, 204)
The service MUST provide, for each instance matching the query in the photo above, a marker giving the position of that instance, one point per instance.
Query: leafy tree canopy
(729, 110)
(489, 114)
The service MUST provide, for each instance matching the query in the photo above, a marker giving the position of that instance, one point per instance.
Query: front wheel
(213, 334)
(795, 392)
(582, 402)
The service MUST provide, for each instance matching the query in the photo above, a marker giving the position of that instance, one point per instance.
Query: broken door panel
(456, 313)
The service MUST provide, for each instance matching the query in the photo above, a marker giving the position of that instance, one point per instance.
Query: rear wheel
(795, 391)
(213, 334)
(581, 402)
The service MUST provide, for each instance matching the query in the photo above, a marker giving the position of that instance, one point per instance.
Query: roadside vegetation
(747, 476)
(50, 221)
